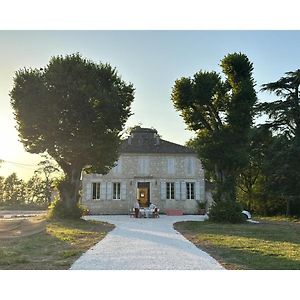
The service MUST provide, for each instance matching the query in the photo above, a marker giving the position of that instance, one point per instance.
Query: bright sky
(151, 60)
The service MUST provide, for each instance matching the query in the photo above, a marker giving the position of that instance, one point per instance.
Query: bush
(58, 210)
(224, 212)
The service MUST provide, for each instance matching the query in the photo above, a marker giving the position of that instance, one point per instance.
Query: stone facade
(173, 174)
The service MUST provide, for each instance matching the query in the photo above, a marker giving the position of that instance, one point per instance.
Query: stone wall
(155, 169)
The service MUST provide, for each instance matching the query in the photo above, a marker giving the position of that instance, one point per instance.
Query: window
(96, 190)
(171, 165)
(170, 190)
(190, 190)
(116, 190)
(144, 165)
(190, 166)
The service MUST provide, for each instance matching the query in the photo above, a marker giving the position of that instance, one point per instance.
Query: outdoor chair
(155, 213)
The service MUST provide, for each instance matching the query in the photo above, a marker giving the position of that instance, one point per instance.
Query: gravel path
(145, 244)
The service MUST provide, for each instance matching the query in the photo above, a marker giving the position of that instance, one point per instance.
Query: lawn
(56, 248)
(274, 244)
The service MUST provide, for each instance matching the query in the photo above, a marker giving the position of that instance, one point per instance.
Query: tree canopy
(220, 112)
(73, 109)
(284, 120)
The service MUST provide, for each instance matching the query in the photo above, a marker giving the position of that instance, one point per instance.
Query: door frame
(146, 184)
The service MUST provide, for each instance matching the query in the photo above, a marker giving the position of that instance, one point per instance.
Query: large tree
(284, 119)
(47, 169)
(74, 110)
(284, 113)
(220, 112)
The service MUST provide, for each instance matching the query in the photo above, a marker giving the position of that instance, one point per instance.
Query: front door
(143, 193)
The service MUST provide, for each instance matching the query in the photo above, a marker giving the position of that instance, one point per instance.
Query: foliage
(220, 112)
(75, 110)
(1, 189)
(36, 191)
(282, 174)
(14, 190)
(201, 204)
(251, 179)
(282, 165)
(57, 210)
(223, 212)
(268, 185)
(284, 114)
(18, 194)
(47, 168)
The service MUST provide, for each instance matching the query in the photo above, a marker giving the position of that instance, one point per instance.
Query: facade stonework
(172, 173)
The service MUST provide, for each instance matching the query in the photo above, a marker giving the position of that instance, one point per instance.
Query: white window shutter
(88, 191)
(123, 191)
(109, 191)
(103, 191)
(177, 190)
(163, 190)
(197, 190)
(183, 191)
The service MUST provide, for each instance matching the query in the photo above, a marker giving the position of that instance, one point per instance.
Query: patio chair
(155, 213)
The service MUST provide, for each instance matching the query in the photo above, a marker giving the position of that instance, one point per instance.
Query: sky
(151, 60)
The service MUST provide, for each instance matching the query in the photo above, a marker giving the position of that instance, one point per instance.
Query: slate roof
(146, 140)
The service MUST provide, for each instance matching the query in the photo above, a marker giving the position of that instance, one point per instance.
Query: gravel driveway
(145, 244)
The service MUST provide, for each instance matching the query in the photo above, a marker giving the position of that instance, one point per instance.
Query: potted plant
(201, 207)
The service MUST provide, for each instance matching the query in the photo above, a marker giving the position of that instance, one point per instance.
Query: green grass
(273, 244)
(56, 248)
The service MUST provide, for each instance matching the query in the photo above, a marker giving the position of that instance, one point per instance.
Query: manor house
(149, 169)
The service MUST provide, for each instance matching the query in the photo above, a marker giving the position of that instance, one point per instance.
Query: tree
(74, 110)
(14, 190)
(1, 189)
(36, 191)
(282, 174)
(220, 112)
(284, 114)
(284, 119)
(251, 176)
(47, 168)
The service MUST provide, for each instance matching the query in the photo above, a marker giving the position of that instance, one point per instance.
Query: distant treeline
(17, 193)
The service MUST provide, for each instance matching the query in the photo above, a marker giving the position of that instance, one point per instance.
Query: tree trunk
(69, 189)
(226, 187)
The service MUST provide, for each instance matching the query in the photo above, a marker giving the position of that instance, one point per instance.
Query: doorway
(143, 193)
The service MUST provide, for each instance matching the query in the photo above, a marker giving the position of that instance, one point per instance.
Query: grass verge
(270, 245)
(56, 248)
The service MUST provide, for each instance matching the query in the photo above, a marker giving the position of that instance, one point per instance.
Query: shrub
(224, 212)
(58, 210)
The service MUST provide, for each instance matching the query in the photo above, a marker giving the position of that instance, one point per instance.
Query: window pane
(172, 190)
(192, 190)
(168, 190)
(119, 190)
(96, 190)
(187, 190)
(116, 190)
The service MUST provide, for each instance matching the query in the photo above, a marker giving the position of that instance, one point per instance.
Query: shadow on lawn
(55, 249)
(264, 231)
(232, 258)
